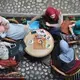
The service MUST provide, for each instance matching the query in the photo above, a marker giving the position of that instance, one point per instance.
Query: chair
(71, 72)
(10, 65)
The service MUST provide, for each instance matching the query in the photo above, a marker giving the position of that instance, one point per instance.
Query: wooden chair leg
(7, 39)
(11, 73)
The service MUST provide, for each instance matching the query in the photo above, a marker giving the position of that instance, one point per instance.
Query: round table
(37, 48)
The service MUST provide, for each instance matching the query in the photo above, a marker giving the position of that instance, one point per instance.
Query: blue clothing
(76, 28)
(16, 31)
(67, 54)
(77, 23)
(55, 30)
(61, 57)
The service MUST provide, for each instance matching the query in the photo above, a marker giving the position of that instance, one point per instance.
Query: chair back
(75, 69)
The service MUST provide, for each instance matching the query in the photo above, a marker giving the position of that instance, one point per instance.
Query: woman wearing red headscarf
(50, 21)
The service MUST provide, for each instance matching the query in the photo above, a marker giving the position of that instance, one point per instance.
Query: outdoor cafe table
(39, 43)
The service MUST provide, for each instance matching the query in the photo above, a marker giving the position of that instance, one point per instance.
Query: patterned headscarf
(50, 11)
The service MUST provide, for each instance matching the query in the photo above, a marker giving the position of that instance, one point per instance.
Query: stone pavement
(38, 6)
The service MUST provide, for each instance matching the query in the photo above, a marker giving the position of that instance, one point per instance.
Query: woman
(63, 56)
(71, 27)
(50, 21)
(14, 31)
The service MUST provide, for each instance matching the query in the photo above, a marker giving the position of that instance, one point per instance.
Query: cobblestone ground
(37, 70)
(38, 6)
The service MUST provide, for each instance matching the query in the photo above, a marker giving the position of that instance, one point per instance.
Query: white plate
(30, 42)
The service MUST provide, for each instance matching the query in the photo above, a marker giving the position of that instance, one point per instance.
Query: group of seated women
(49, 21)
(62, 54)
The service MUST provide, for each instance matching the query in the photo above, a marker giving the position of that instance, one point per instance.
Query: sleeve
(60, 19)
(35, 18)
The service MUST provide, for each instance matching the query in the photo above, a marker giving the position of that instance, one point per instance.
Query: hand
(47, 24)
(75, 37)
(70, 25)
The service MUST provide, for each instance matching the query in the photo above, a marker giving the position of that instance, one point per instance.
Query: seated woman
(70, 27)
(63, 56)
(50, 21)
(14, 31)
(65, 30)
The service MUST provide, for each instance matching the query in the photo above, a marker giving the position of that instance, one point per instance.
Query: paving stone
(19, 10)
(23, 74)
(70, 5)
(30, 0)
(21, 5)
(35, 71)
(16, 0)
(39, 1)
(33, 2)
(28, 6)
(22, 70)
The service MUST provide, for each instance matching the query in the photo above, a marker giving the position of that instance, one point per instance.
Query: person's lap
(55, 32)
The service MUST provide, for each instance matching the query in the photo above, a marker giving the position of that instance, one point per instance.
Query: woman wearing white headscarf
(12, 30)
